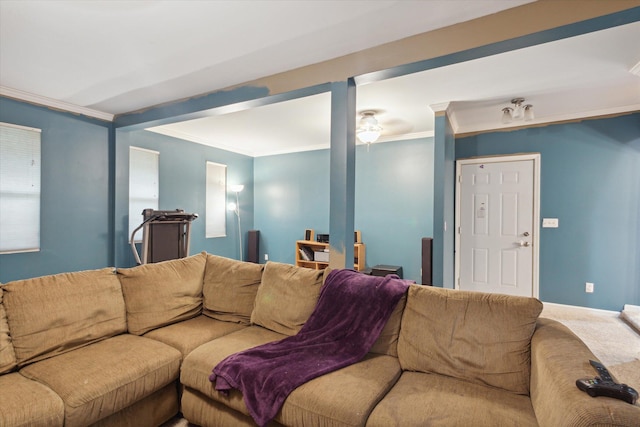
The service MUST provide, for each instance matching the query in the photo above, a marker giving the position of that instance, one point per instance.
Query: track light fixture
(517, 112)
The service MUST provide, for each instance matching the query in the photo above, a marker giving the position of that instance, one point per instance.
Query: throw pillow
(54, 314)
(162, 293)
(479, 337)
(286, 298)
(230, 288)
(7, 355)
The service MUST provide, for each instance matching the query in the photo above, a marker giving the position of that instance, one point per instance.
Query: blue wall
(74, 232)
(182, 170)
(291, 195)
(590, 180)
(393, 201)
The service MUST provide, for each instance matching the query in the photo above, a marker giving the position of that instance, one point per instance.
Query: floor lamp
(236, 209)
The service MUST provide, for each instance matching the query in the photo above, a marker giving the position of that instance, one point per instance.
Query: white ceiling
(114, 57)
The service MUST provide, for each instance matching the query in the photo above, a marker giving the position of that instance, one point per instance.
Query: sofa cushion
(360, 386)
(387, 342)
(189, 334)
(344, 397)
(7, 355)
(478, 337)
(286, 298)
(153, 410)
(162, 293)
(202, 411)
(230, 288)
(24, 402)
(51, 315)
(419, 399)
(101, 379)
(197, 366)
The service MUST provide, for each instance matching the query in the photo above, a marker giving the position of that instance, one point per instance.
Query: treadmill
(165, 235)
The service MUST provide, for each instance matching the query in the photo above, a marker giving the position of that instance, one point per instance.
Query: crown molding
(549, 120)
(191, 138)
(53, 103)
(440, 108)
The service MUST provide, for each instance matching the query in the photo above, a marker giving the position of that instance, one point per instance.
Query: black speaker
(253, 246)
(427, 258)
(308, 234)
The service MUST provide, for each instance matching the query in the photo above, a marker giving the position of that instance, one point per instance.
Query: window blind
(216, 189)
(19, 188)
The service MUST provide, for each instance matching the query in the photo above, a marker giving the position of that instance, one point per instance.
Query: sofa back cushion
(51, 315)
(230, 289)
(286, 297)
(478, 337)
(7, 355)
(387, 342)
(163, 293)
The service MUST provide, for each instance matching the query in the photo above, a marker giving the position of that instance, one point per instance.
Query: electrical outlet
(588, 287)
(266, 257)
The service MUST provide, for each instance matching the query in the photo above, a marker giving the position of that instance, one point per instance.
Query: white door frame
(536, 209)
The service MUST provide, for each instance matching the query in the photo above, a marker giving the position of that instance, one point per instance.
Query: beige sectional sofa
(134, 347)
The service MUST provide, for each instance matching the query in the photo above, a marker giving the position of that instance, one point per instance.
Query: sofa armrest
(558, 359)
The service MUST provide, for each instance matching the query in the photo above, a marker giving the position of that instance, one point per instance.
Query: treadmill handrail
(165, 218)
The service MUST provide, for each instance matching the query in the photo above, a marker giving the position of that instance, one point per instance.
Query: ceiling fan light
(368, 136)
(506, 115)
(518, 110)
(369, 131)
(528, 113)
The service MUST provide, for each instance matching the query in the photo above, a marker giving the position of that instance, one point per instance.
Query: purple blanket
(350, 314)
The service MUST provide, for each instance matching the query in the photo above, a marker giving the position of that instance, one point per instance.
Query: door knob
(525, 234)
(524, 244)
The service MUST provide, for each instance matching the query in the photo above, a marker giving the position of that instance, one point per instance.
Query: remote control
(603, 372)
(605, 385)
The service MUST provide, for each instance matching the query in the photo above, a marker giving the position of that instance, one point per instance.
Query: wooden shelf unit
(359, 255)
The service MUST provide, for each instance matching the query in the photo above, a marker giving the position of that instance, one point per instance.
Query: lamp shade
(528, 112)
(236, 188)
(506, 115)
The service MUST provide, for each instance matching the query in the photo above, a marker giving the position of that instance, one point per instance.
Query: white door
(497, 217)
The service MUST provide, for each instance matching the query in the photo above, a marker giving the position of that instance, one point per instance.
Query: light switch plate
(549, 222)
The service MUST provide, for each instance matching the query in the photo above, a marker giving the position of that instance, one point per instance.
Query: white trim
(188, 137)
(440, 107)
(11, 125)
(536, 158)
(548, 120)
(144, 149)
(404, 137)
(53, 103)
(597, 310)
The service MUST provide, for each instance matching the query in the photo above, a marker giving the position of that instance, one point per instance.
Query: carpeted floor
(609, 334)
(611, 339)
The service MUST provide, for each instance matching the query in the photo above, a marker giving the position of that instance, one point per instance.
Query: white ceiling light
(369, 130)
(517, 112)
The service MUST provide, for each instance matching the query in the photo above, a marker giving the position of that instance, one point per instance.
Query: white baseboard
(598, 310)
